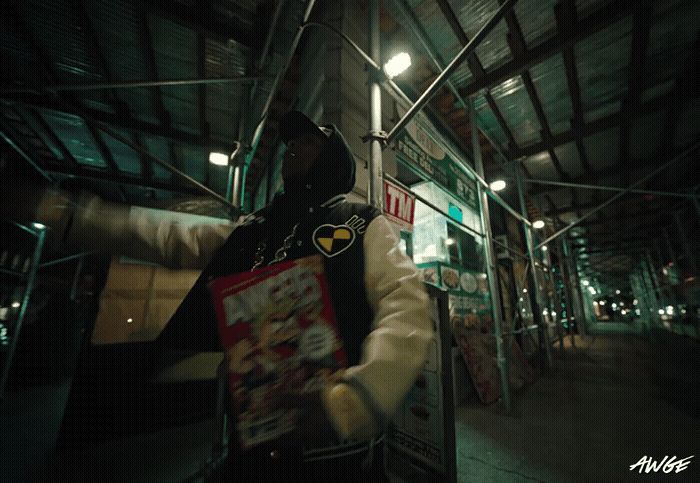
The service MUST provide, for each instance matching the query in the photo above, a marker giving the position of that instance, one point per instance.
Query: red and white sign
(399, 205)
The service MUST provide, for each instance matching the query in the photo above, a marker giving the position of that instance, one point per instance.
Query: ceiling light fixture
(538, 224)
(397, 64)
(219, 159)
(498, 185)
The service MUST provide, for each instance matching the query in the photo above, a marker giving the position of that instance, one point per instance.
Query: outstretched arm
(88, 222)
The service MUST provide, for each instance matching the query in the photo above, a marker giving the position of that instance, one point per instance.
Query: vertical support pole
(640, 295)
(76, 278)
(233, 187)
(664, 291)
(669, 247)
(531, 280)
(690, 255)
(375, 192)
(566, 277)
(230, 189)
(491, 271)
(238, 160)
(31, 277)
(659, 253)
(652, 283)
(579, 301)
(670, 289)
(563, 272)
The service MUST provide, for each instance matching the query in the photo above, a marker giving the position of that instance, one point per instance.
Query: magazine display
(279, 332)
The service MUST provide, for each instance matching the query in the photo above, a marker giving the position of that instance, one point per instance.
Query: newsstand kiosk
(420, 441)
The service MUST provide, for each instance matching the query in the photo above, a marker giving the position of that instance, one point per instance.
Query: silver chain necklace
(280, 254)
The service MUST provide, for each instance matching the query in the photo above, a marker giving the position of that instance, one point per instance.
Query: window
(461, 247)
(406, 244)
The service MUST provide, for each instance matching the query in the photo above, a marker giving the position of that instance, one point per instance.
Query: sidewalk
(608, 403)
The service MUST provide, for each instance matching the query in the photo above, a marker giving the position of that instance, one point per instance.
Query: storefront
(446, 241)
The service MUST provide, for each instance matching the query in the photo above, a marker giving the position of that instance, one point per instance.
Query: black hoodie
(193, 327)
(332, 174)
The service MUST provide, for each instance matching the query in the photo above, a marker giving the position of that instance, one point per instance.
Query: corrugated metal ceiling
(83, 41)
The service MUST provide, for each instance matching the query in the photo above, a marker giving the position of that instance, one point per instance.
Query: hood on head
(333, 172)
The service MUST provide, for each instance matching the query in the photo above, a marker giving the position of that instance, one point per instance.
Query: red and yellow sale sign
(399, 205)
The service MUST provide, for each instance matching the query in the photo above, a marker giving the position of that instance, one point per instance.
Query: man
(379, 301)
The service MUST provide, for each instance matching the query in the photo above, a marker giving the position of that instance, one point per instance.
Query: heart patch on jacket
(332, 240)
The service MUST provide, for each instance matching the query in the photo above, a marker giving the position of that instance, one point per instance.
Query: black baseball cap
(294, 124)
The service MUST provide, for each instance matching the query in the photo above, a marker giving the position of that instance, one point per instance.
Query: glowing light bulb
(397, 64)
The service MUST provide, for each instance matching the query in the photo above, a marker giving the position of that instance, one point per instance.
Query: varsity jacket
(379, 300)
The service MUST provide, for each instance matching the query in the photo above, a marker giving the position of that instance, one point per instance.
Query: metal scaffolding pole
(689, 254)
(397, 94)
(651, 281)
(611, 200)
(654, 275)
(273, 91)
(412, 24)
(567, 298)
(25, 156)
(669, 246)
(133, 84)
(76, 277)
(31, 279)
(577, 296)
(641, 293)
(456, 62)
(241, 168)
(234, 184)
(568, 294)
(159, 161)
(531, 278)
(663, 292)
(491, 264)
(566, 184)
(375, 193)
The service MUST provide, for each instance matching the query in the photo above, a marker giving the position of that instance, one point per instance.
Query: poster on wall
(472, 324)
(416, 148)
(468, 292)
(479, 354)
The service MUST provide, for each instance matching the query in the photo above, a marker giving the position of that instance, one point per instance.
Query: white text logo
(647, 464)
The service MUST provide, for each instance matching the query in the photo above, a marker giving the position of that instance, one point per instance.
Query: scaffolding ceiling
(587, 92)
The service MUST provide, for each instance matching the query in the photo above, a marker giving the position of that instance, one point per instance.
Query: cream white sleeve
(134, 232)
(396, 349)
